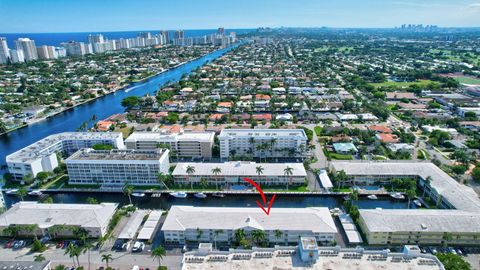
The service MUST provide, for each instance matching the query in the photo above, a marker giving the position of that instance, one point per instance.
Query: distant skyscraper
(46, 52)
(166, 35)
(98, 38)
(179, 34)
(75, 48)
(145, 35)
(28, 47)
(4, 51)
(17, 56)
(221, 31)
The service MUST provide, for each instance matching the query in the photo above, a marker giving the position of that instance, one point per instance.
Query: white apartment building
(28, 47)
(234, 172)
(4, 51)
(262, 143)
(116, 167)
(219, 224)
(41, 156)
(182, 145)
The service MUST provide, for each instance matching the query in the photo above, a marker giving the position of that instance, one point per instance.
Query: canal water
(103, 107)
(166, 201)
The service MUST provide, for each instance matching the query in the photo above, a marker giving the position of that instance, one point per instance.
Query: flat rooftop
(186, 136)
(237, 168)
(314, 219)
(263, 133)
(47, 215)
(41, 147)
(116, 154)
(23, 265)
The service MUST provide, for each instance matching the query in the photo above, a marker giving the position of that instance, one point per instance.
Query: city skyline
(89, 16)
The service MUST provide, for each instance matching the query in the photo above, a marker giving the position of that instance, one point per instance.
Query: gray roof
(157, 136)
(23, 265)
(117, 154)
(47, 215)
(263, 133)
(237, 168)
(315, 219)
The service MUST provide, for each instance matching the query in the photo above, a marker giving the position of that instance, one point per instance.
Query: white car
(138, 246)
(126, 246)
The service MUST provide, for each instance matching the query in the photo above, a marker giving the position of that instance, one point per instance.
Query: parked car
(117, 245)
(9, 244)
(45, 239)
(60, 244)
(19, 244)
(126, 246)
(138, 246)
(184, 249)
(434, 250)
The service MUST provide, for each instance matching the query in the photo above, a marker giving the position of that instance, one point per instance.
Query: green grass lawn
(318, 131)
(420, 83)
(468, 80)
(340, 156)
(56, 183)
(303, 188)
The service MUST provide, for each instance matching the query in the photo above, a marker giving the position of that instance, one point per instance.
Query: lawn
(56, 183)
(420, 83)
(125, 131)
(467, 80)
(340, 156)
(318, 131)
(303, 188)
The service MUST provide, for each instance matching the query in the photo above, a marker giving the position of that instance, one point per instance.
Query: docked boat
(218, 194)
(179, 194)
(417, 203)
(397, 195)
(372, 197)
(35, 192)
(200, 195)
(12, 191)
(156, 195)
(138, 194)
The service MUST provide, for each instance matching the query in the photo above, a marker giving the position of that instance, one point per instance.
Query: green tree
(453, 262)
(190, 170)
(476, 173)
(128, 190)
(73, 252)
(288, 172)
(130, 102)
(39, 258)
(22, 192)
(411, 193)
(159, 253)
(216, 171)
(87, 247)
(91, 200)
(278, 234)
(258, 236)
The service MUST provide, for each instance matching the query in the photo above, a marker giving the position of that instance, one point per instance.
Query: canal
(102, 107)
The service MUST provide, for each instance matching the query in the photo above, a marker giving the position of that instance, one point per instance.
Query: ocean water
(54, 39)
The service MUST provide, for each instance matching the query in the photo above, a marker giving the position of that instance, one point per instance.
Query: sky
(39, 16)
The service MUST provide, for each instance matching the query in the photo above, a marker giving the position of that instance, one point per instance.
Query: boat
(417, 203)
(138, 194)
(372, 197)
(156, 195)
(200, 195)
(218, 194)
(35, 192)
(346, 198)
(397, 195)
(179, 194)
(12, 191)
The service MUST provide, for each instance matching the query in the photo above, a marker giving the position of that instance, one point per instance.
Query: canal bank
(103, 107)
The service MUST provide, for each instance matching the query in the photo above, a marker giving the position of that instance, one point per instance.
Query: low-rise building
(117, 167)
(182, 145)
(262, 143)
(41, 156)
(234, 172)
(219, 224)
(19, 265)
(59, 220)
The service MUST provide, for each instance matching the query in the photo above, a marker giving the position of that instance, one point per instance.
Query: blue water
(54, 39)
(102, 108)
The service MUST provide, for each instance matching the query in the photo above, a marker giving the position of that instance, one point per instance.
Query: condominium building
(28, 47)
(41, 156)
(455, 224)
(233, 173)
(219, 224)
(46, 52)
(93, 218)
(97, 38)
(116, 167)
(17, 56)
(262, 143)
(4, 51)
(182, 145)
(74, 48)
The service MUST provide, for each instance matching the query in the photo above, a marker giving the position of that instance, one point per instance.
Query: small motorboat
(156, 195)
(372, 197)
(12, 191)
(179, 194)
(417, 203)
(397, 195)
(36, 192)
(218, 194)
(138, 194)
(200, 195)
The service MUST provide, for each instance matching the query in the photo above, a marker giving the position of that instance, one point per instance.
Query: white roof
(47, 215)
(317, 219)
(325, 180)
(237, 168)
(131, 228)
(156, 136)
(263, 133)
(150, 225)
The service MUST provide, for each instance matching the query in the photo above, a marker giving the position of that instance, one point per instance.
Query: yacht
(218, 194)
(36, 192)
(138, 194)
(200, 195)
(179, 194)
(372, 197)
(417, 203)
(12, 191)
(156, 195)
(397, 195)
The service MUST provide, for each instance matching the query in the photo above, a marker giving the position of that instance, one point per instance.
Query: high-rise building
(166, 35)
(75, 48)
(179, 34)
(145, 35)
(125, 43)
(98, 38)
(46, 52)
(28, 47)
(4, 51)
(221, 31)
(60, 51)
(16, 56)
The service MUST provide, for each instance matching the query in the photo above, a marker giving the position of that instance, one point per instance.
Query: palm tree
(428, 180)
(273, 141)
(190, 171)
(341, 177)
(410, 194)
(216, 171)
(73, 252)
(87, 247)
(258, 236)
(216, 233)
(128, 190)
(39, 258)
(107, 258)
(22, 192)
(259, 170)
(288, 171)
(278, 234)
(316, 171)
(158, 253)
(354, 195)
(239, 235)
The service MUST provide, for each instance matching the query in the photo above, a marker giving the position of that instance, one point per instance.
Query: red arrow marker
(259, 189)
